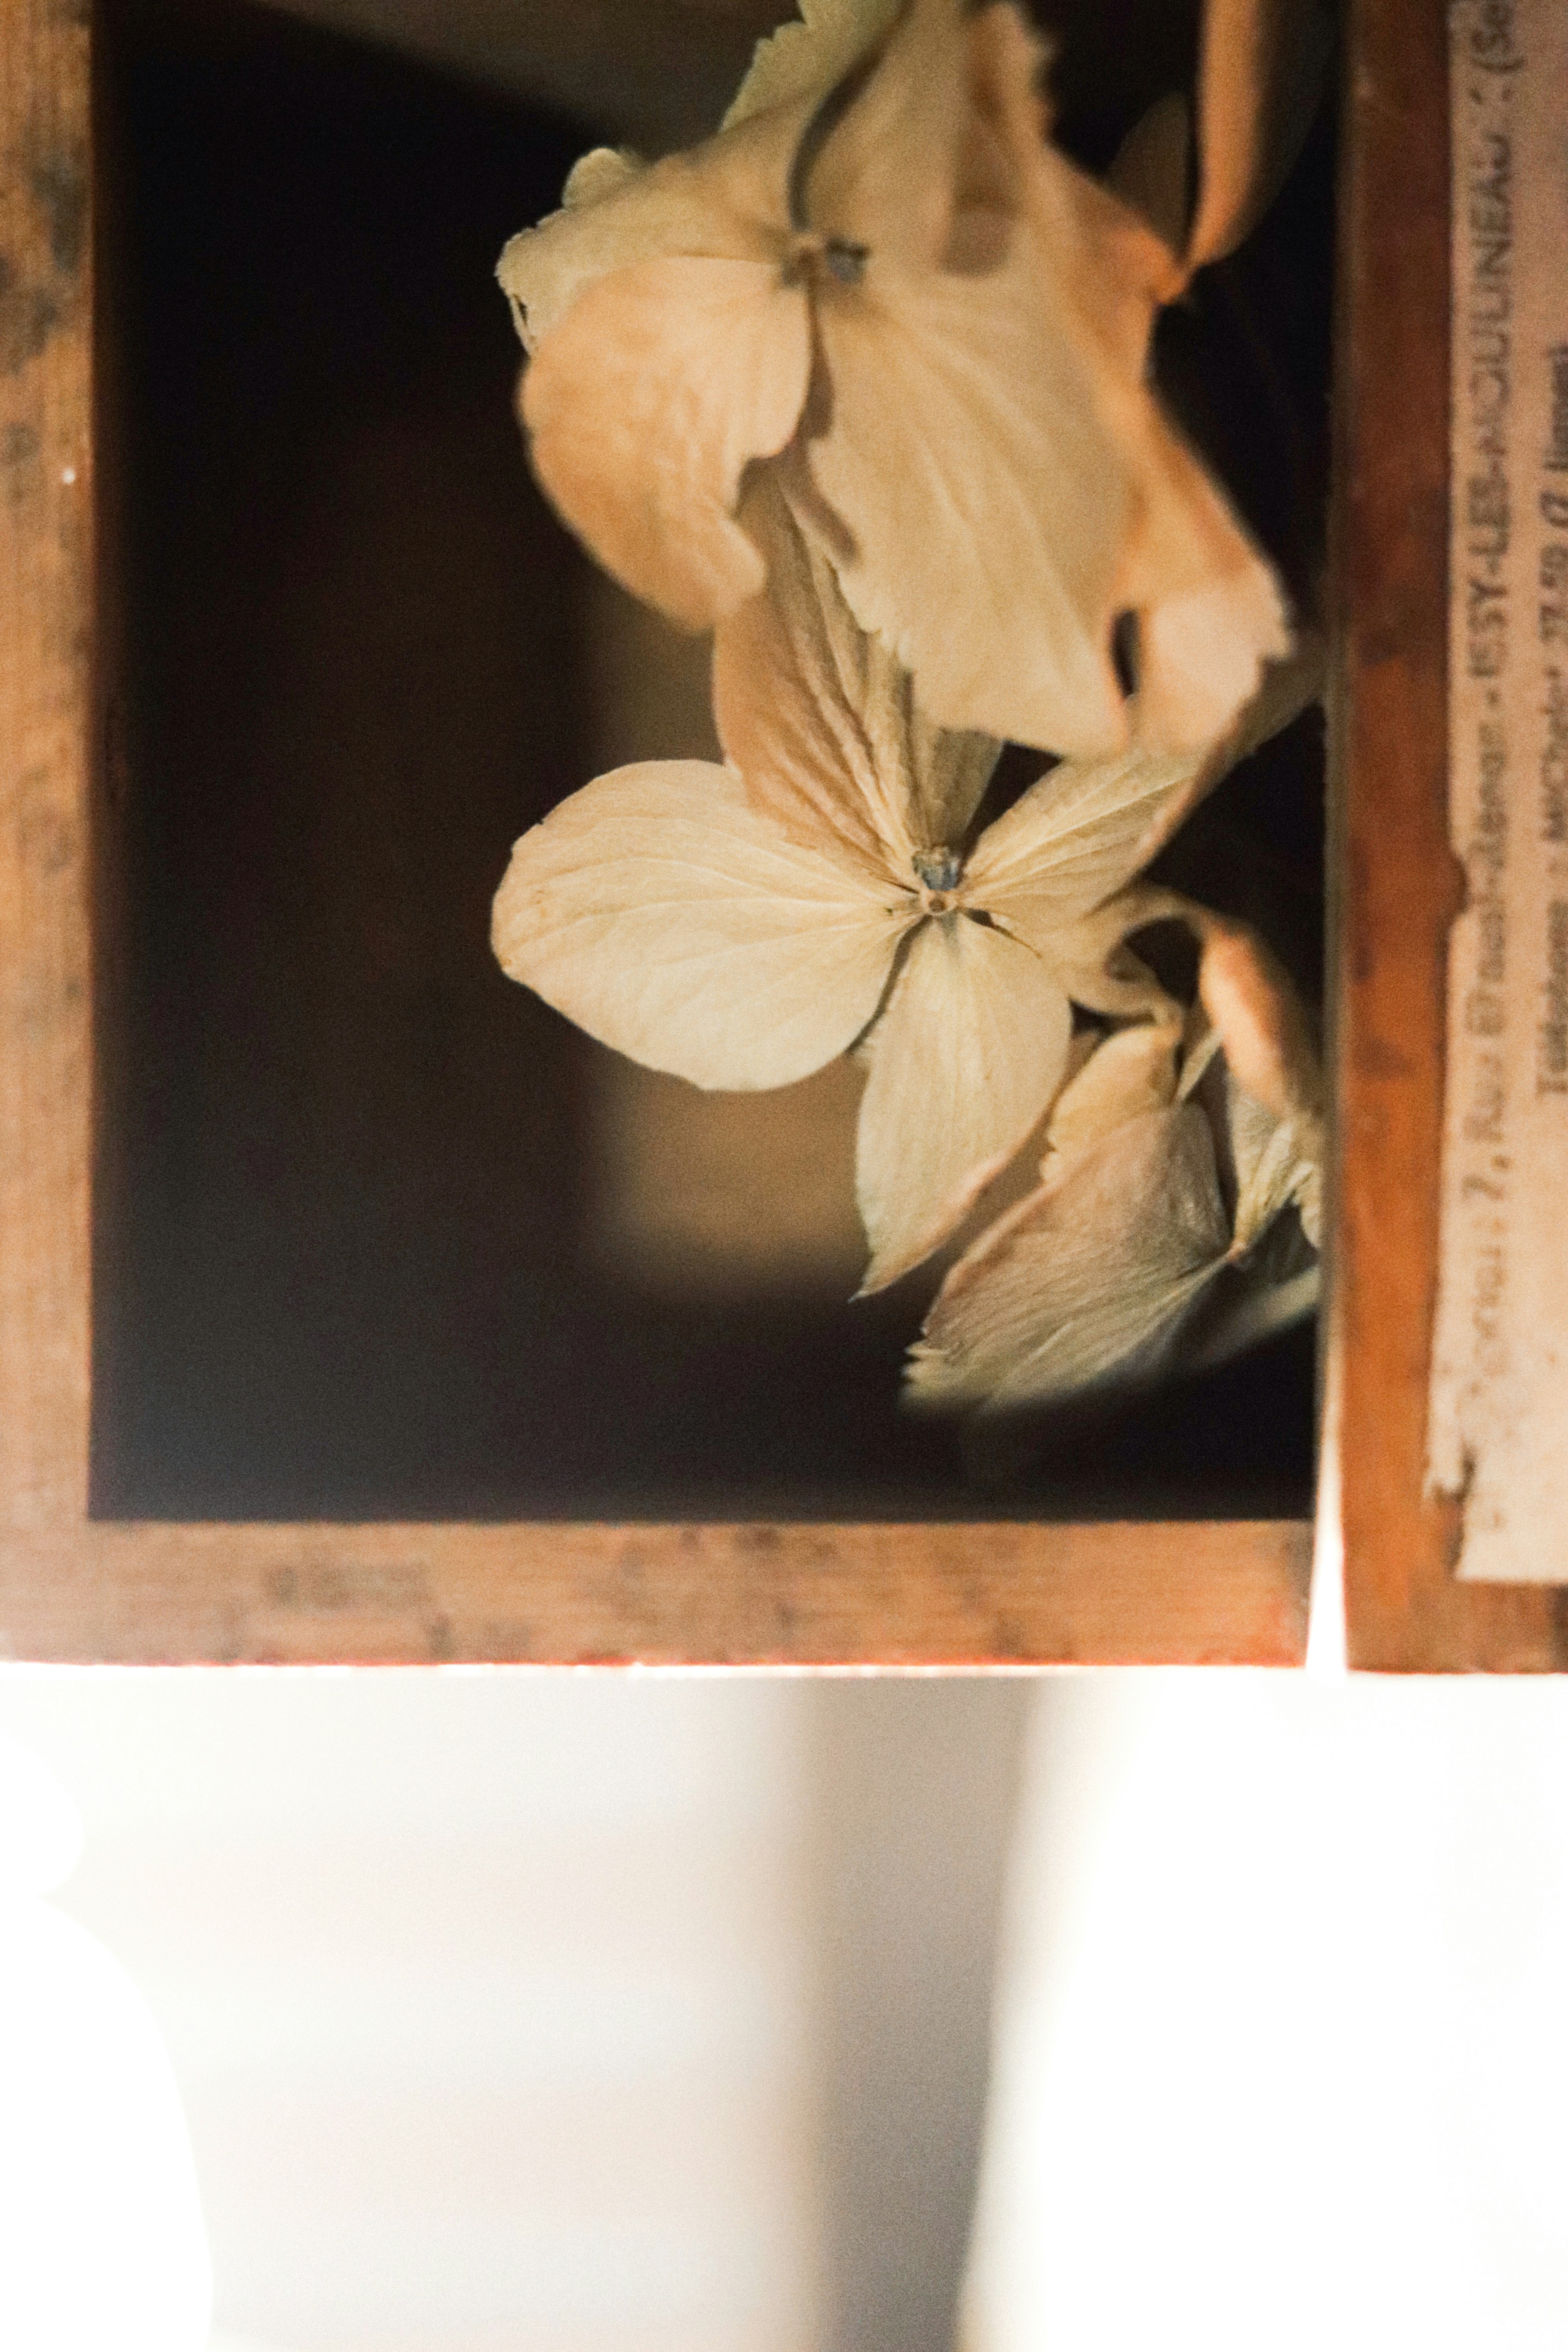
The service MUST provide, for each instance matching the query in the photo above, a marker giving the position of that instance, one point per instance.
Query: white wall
(521, 2013)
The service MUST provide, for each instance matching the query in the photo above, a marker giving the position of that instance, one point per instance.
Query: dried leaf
(665, 916)
(963, 1060)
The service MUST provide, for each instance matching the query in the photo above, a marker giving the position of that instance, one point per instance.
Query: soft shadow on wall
(535, 2013)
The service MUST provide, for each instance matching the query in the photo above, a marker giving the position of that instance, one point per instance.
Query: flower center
(937, 871)
(809, 255)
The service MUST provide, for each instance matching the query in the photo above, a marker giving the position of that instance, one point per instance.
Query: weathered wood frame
(76, 1588)
(1406, 1610)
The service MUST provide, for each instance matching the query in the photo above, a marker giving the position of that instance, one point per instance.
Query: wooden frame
(1406, 1610)
(76, 1588)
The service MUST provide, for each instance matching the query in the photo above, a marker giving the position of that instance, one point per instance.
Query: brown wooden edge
(75, 1590)
(46, 603)
(965, 1596)
(1404, 1609)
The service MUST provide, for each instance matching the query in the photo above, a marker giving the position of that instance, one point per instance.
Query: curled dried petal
(1086, 1279)
(644, 407)
(1133, 1071)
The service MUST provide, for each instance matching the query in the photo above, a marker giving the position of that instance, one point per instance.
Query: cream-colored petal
(1268, 1036)
(1074, 837)
(801, 699)
(1209, 609)
(886, 174)
(952, 772)
(1086, 1279)
(603, 172)
(1271, 1170)
(1260, 77)
(727, 200)
(963, 1060)
(1131, 1072)
(644, 406)
(1003, 483)
(1204, 641)
(808, 58)
(981, 499)
(820, 718)
(663, 914)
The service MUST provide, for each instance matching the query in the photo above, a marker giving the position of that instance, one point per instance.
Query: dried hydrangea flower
(741, 925)
(1163, 1174)
(880, 279)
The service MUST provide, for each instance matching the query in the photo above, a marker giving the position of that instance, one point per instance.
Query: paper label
(1498, 1427)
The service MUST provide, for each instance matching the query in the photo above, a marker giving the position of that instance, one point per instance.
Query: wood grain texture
(991, 1595)
(44, 634)
(1405, 1611)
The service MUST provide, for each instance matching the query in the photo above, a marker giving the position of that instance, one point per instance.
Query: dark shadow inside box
(379, 1234)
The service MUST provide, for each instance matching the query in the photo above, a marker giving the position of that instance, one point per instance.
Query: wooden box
(318, 1339)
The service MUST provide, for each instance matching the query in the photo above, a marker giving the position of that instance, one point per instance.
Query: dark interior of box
(344, 1258)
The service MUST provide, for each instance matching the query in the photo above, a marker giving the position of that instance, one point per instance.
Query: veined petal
(670, 920)
(644, 406)
(1210, 612)
(964, 1058)
(821, 719)
(1260, 77)
(1085, 1279)
(798, 696)
(983, 501)
(1261, 1310)
(1074, 837)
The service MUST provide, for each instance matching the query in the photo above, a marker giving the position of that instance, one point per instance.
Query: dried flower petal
(1094, 1276)
(1084, 1279)
(979, 455)
(1265, 1028)
(660, 912)
(802, 60)
(1260, 77)
(821, 719)
(1075, 837)
(1131, 1073)
(963, 1060)
(645, 406)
